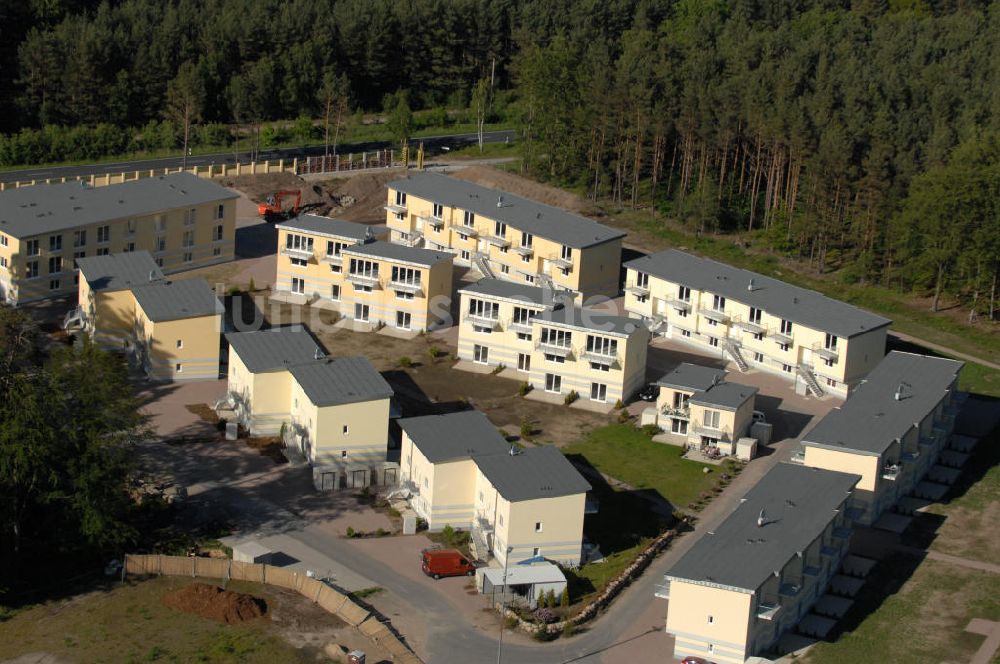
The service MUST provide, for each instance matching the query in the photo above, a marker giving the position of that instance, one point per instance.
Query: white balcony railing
(678, 304)
(483, 321)
(679, 412)
(553, 349)
(525, 251)
(782, 338)
(497, 241)
(558, 261)
(364, 278)
(712, 314)
(333, 259)
(465, 231)
(395, 209)
(825, 353)
(636, 289)
(891, 471)
(297, 252)
(406, 286)
(753, 327)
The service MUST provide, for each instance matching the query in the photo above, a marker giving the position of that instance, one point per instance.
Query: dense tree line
(69, 422)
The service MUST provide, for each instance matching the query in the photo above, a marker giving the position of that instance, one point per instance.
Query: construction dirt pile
(367, 191)
(214, 603)
(315, 198)
(515, 184)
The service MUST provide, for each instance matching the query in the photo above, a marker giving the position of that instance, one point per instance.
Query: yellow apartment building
(505, 236)
(599, 356)
(332, 410)
(177, 330)
(371, 282)
(436, 464)
(890, 431)
(820, 344)
(106, 309)
(496, 320)
(182, 220)
(697, 408)
(519, 504)
(754, 576)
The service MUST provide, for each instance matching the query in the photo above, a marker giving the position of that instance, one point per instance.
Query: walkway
(944, 349)
(977, 565)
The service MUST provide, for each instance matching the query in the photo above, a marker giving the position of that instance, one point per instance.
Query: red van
(445, 562)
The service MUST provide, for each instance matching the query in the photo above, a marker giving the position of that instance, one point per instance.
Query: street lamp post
(503, 603)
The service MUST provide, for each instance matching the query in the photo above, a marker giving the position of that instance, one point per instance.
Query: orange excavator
(272, 209)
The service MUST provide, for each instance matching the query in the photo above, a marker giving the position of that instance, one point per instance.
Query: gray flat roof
(545, 221)
(799, 305)
(454, 436)
(728, 396)
(798, 502)
(532, 473)
(314, 223)
(510, 290)
(872, 418)
(342, 380)
(693, 377)
(50, 208)
(174, 300)
(398, 252)
(276, 348)
(118, 271)
(591, 320)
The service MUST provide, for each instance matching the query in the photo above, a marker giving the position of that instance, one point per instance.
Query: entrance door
(480, 354)
(361, 312)
(403, 320)
(523, 362)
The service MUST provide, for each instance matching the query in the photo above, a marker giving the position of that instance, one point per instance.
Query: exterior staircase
(74, 319)
(734, 352)
(414, 238)
(806, 374)
(482, 264)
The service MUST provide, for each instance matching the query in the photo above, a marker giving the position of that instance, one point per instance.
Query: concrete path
(991, 630)
(977, 565)
(944, 349)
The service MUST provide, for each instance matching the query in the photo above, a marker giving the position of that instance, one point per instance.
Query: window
(406, 275)
(538, 526)
(480, 354)
(3, 240)
(358, 288)
(31, 248)
(55, 264)
(784, 347)
(523, 315)
(758, 336)
(401, 198)
(558, 359)
(129, 247)
(220, 211)
(642, 280)
(524, 336)
(178, 368)
(161, 243)
(437, 211)
(567, 253)
(300, 242)
(217, 233)
(499, 229)
(484, 309)
(403, 319)
(711, 419)
(299, 262)
(786, 327)
(601, 345)
(346, 431)
(217, 251)
(469, 219)
(161, 224)
(188, 239)
(713, 342)
(754, 315)
(103, 251)
(482, 329)
(55, 242)
(363, 268)
(683, 313)
(829, 362)
(711, 620)
(464, 255)
(403, 295)
(554, 337)
(600, 366)
(758, 357)
(505, 269)
(683, 293)
(188, 257)
(536, 552)
(553, 383)
(361, 312)
(523, 362)
(334, 248)
(718, 303)
(831, 382)
(526, 240)
(529, 279)
(180, 343)
(298, 285)
(189, 217)
(54, 284)
(685, 333)
(830, 343)
(159, 261)
(335, 292)
(711, 648)
(3, 261)
(598, 392)
(130, 227)
(80, 238)
(787, 368)
(104, 233)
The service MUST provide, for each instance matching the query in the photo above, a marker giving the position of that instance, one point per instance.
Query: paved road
(430, 142)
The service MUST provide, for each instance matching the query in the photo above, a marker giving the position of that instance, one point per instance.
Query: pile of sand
(214, 603)
(315, 199)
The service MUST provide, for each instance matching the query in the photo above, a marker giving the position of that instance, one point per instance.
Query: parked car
(694, 660)
(445, 562)
(758, 416)
(650, 392)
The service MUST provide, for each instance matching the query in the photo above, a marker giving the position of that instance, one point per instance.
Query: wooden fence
(318, 592)
(350, 162)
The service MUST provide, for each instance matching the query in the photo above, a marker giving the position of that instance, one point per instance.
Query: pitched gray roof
(510, 290)
(50, 208)
(799, 305)
(728, 396)
(872, 418)
(314, 223)
(798, 502)
(532, 473)
(118, 271)
(522, 214)
(276, 348)
(398, 252)
(694, 377)
(174, 300)
(454, 435)
(335, 381)
(591, 319)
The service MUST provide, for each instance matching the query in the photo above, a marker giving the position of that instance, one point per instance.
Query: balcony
(678, 412)
(826, 353)
(558, 261)
(364, 278)
(636, 289)
(891, 471)
(297, 252)
(701, 429)
(525, 251)
(465, 231)
(434, 222)
(712, 314)
(406, 286)
(600, 358)
(768, 610)
(395, 209)
(520, 326)
(483, 321)
(333, 259)
(753, 327)
(497, 241)
(678, 304)
(790, 589)
(553, 349)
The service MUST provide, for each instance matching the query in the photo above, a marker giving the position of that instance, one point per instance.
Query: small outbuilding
(252, 552)
(525, 583)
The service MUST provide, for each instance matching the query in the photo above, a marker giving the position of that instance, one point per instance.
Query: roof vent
(795, 300)
(538, 215)
(369, 235)
(761, 518)
(901, 391)
(514, 451)
(318, 354)
(750, 285)
(499, 200)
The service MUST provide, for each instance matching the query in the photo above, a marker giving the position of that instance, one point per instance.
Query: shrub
(510, 622)
(448, 534)
(498, 368)
(405, 362)
(421, 524)
(434, 352)
(623, 416)
(381, 532)
(252, 288)
(569, 629)
(524, 388)
(546, 616)
(542, 634)
(564, 599)
(619, 404)
(526, 428)
(571, 397)
(350, 532)
(550, 599)
(650, 429)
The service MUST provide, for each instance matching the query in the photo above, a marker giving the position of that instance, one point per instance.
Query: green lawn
(921, 621)
(130, 623)
(627, 454)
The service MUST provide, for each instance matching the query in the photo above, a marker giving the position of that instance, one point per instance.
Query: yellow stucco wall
(867, 466)
(366, 437)
(708, 622)
(445, 490)
(267, 395)
(181, 350)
